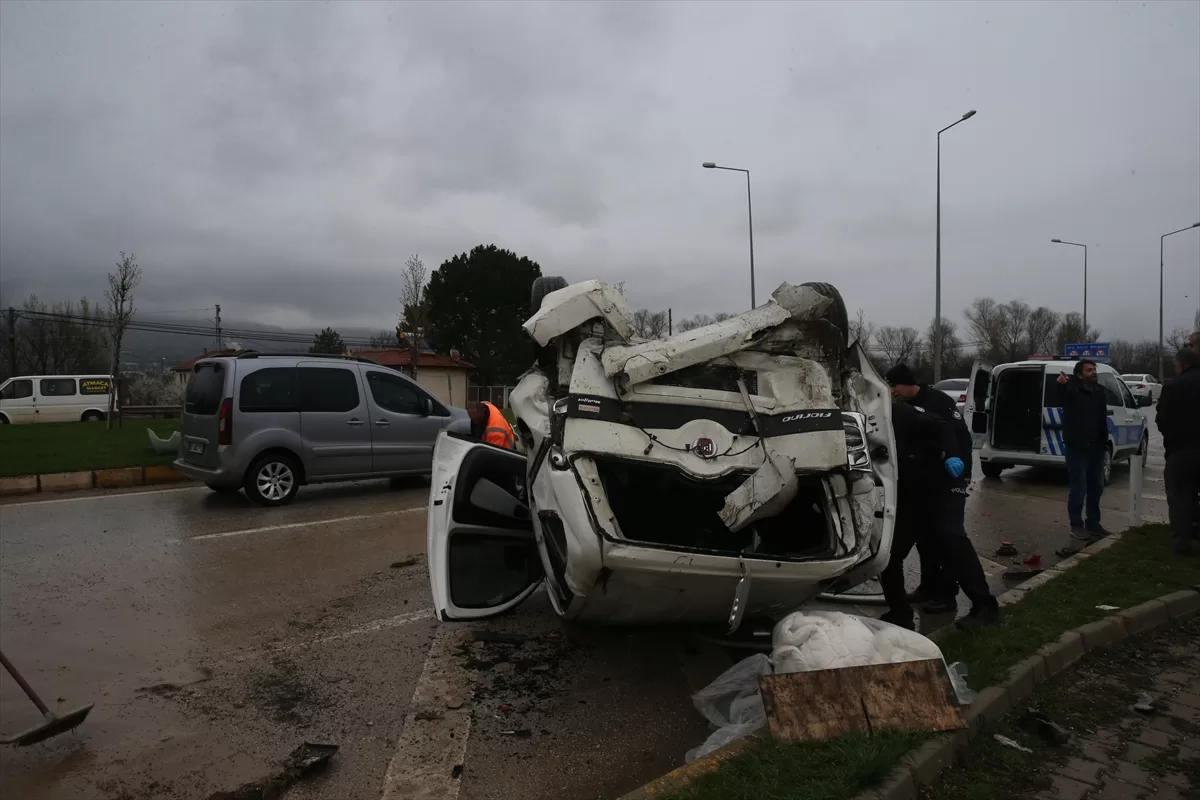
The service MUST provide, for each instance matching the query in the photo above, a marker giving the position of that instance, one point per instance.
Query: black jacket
(1178, 415)
(929, 430)
(1084, 415)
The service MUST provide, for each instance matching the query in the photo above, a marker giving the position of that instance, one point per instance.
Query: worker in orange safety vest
(490, 426)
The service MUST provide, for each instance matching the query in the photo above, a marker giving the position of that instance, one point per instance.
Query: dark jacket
(925, 438)
(1178, 415)
(1084, 415)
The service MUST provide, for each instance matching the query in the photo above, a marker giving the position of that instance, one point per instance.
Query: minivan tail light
(962, 398)
(225, 422)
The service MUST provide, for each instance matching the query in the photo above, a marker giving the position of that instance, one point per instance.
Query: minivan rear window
(205, 390)
(270, 389)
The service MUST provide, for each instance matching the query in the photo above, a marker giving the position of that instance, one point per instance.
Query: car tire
(541, 287)
(92, 416)
(1107, 469)
(223, 489)
(1144, 449)
(836, 315)
(273, 479)
(991, 470)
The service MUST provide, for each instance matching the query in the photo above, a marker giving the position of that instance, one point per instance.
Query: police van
(1015, 411)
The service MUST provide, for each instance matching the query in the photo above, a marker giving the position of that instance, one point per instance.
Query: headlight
(858, 457)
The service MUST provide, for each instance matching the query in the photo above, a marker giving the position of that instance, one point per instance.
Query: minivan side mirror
(1145, 400)
(426, 407)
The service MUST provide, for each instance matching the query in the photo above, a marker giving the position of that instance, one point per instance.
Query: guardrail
(151, 411)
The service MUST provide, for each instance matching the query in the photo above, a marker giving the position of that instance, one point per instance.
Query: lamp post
(1161, 239)
(937, 310)
(750, 216)
(1084, 246)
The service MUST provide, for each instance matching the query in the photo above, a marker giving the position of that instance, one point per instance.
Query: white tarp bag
(803, 642)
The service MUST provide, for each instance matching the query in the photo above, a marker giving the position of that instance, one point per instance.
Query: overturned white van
(736, 469)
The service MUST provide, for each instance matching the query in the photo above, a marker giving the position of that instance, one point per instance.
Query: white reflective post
(1135, 491)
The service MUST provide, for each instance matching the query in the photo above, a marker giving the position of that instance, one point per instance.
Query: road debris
(1007, 742)
(299, 764)
(1144, 704)
(1049, 731)
(1006, 548)
(1108, 608)
(404, 562)
(494, 637)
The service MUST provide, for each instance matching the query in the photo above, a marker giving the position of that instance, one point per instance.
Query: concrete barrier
(21, 484)
(118, 478)
(65, 481)
(163, 473)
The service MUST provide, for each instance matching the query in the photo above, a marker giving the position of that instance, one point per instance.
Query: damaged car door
(483, 558)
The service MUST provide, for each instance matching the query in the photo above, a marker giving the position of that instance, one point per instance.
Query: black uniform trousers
(935, 517)
(1182, 478)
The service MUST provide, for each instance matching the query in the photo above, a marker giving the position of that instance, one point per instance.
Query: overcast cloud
(284, 159)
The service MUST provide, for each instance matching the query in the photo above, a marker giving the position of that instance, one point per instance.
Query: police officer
(934, 463)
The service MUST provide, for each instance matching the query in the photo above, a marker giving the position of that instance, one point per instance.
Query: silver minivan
(269, 423)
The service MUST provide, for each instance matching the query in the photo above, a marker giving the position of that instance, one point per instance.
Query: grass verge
(1091, 701)
(74, 446)
(1140, 567)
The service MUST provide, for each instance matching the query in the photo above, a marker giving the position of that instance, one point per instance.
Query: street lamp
(937, 311)
(1084, 246)
(1160, 294)
(750, 215)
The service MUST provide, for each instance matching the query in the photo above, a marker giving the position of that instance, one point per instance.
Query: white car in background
(738, 469)
(1142, 385)
(955, 389)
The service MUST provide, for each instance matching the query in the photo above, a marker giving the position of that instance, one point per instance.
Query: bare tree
(414, 311)
(1040, 328)
(898, 344)
(699, 321)
(119, 294)
(985, 324)
(1071, 330)
(861, 331)
(1014, 319)
(649, 324)
(951, 346)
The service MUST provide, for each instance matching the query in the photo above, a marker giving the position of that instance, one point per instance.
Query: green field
(73, 446)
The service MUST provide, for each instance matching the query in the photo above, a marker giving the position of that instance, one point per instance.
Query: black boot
(980, 617)
(940, 607)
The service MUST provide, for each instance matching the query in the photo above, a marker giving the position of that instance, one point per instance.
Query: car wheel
(273, 480)
(93, 416)
(541, 287)
(3, 420)
(1108, 465)
(223, 489)
(1144, 450)
(836, 314)
(991, 470)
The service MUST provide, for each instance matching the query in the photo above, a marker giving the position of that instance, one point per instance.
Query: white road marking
(309, 523)
(105, 496)
(370, 627)
(1146, 496)
(429, 749)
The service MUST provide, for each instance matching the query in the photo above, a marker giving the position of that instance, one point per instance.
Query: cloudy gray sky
(284, 159)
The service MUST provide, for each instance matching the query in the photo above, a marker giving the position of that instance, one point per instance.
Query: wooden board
(815, 706)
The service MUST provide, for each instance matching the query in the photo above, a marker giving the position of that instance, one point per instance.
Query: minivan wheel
(93, 416)
(543, 286)
(273, 480)
(991, 470)
(836, 314)
(1108, 464)
(1144, 450)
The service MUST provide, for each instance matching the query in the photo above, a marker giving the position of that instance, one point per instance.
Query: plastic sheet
(803, 642)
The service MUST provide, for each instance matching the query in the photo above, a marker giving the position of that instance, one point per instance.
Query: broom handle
(37, 701)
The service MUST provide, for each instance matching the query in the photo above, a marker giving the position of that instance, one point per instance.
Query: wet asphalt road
(214, 636)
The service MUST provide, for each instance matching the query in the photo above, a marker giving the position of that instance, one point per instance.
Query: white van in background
(1014, 412)
(54, 398)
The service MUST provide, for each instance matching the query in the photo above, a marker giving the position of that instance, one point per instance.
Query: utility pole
(670, 324)
(219, 346)
(12, 342)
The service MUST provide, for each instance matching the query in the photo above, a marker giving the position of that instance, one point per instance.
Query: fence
(496, 395)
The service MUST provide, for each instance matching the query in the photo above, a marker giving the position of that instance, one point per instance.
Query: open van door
(482, 554)
(976, 410)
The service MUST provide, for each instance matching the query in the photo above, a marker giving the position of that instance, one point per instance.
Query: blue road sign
(1096, 351)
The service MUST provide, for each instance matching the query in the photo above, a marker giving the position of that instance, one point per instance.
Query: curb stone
(1178, 605)
(122, 477)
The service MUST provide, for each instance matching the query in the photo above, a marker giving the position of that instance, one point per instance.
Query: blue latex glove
(954, 466)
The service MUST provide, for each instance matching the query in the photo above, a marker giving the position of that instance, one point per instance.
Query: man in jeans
(1085, 435)
(1178, 419)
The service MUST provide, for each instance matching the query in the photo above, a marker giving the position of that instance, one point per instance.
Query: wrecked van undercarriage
(741, 467)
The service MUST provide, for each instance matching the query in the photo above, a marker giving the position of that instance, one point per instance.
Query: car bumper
(221, 476)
